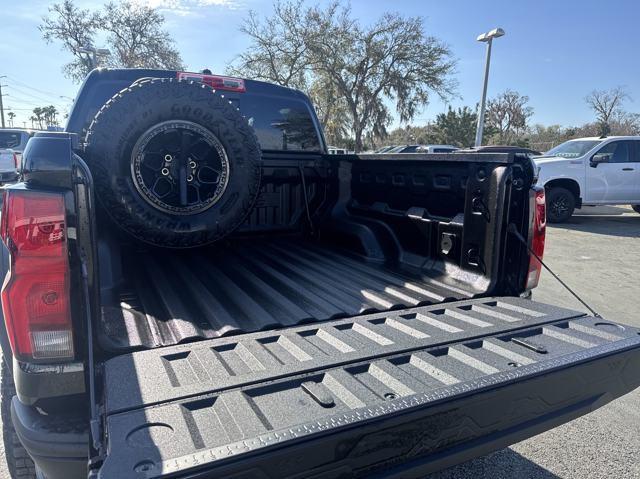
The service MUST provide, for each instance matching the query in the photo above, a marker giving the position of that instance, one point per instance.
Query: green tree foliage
(44, 116)
(408, 135)
(456, 127)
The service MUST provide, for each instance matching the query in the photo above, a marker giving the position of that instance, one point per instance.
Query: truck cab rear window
(9, 139)
(281, 124)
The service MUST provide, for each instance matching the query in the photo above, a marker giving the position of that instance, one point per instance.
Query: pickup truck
(9, 164)
(590, 172)
(195, 288)
(12, 144)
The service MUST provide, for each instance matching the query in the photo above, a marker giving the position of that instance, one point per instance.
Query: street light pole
(488, 39)
(95, 54)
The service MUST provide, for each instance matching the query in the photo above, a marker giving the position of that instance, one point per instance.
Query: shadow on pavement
(602, 211)
(616, 224)
(502, 464)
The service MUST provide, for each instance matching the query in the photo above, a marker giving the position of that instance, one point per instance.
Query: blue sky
(554, 51)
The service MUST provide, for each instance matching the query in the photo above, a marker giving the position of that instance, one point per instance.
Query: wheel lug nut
(190, 178)
(165, 171)
(168, 158)
(192, 164)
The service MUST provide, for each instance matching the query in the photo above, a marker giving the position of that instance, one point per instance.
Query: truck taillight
(215, 81)
(35, 293)
(537, 237)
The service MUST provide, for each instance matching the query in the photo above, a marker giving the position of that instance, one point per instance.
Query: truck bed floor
(179, 297)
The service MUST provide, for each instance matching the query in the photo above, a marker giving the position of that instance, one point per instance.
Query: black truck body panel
(354, 396)
(364, 320)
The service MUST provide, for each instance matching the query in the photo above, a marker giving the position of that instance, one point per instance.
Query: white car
(590, 171)
(15, 139)
(9, 163)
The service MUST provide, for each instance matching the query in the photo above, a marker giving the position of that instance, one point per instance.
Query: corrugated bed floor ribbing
(177, 297)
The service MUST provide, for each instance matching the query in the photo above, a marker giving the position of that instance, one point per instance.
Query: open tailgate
(401, 393)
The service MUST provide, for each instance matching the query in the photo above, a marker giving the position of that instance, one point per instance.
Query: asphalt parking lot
(598, 254)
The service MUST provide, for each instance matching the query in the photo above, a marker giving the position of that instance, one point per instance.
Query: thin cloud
(187, 7)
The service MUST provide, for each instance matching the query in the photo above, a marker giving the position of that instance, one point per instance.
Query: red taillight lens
(16, 160)
(214, 81)
(538, 233)
(35, 293)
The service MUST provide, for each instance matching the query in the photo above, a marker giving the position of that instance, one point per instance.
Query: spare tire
(174, 163)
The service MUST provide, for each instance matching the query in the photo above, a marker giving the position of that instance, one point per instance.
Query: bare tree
(75, 28)
(134, 34)
(278, 53)
(367, 67)
(508, 115)
(606, 104)
(136, 37)
(625, 123)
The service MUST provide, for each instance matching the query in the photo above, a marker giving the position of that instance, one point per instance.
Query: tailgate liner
(517, 368)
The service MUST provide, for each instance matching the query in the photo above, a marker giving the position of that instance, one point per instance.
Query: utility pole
(1, 105)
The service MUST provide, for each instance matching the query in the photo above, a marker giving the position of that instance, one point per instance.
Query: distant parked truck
(590, 171)
(15, 139)
(420, 149)
(8, 166)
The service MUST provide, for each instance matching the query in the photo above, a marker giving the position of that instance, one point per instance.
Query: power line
(30, 87)
(22, 102)
(31, 95)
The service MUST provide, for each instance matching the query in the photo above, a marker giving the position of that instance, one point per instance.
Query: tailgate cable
(94, 422)
(306, 198)
(95, 429)
(513, 230)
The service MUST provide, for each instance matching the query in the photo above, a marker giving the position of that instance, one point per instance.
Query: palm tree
(38, 116)
(50, 114)
(11, 116)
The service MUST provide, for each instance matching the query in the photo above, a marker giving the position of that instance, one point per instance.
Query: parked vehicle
(343, 316)
(385, 149)
(436, 149)
(421, 149)
(8, 166)
(15, 139)
(507, 149)
(334, 150)
(590, 171)
(400, 148)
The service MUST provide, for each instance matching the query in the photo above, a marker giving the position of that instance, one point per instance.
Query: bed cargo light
(35, 293)
(215, 81)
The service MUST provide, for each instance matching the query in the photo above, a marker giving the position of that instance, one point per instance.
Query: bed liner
(171, 298)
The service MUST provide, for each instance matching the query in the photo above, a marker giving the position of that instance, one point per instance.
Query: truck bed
(171, 297)
(409, 392)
